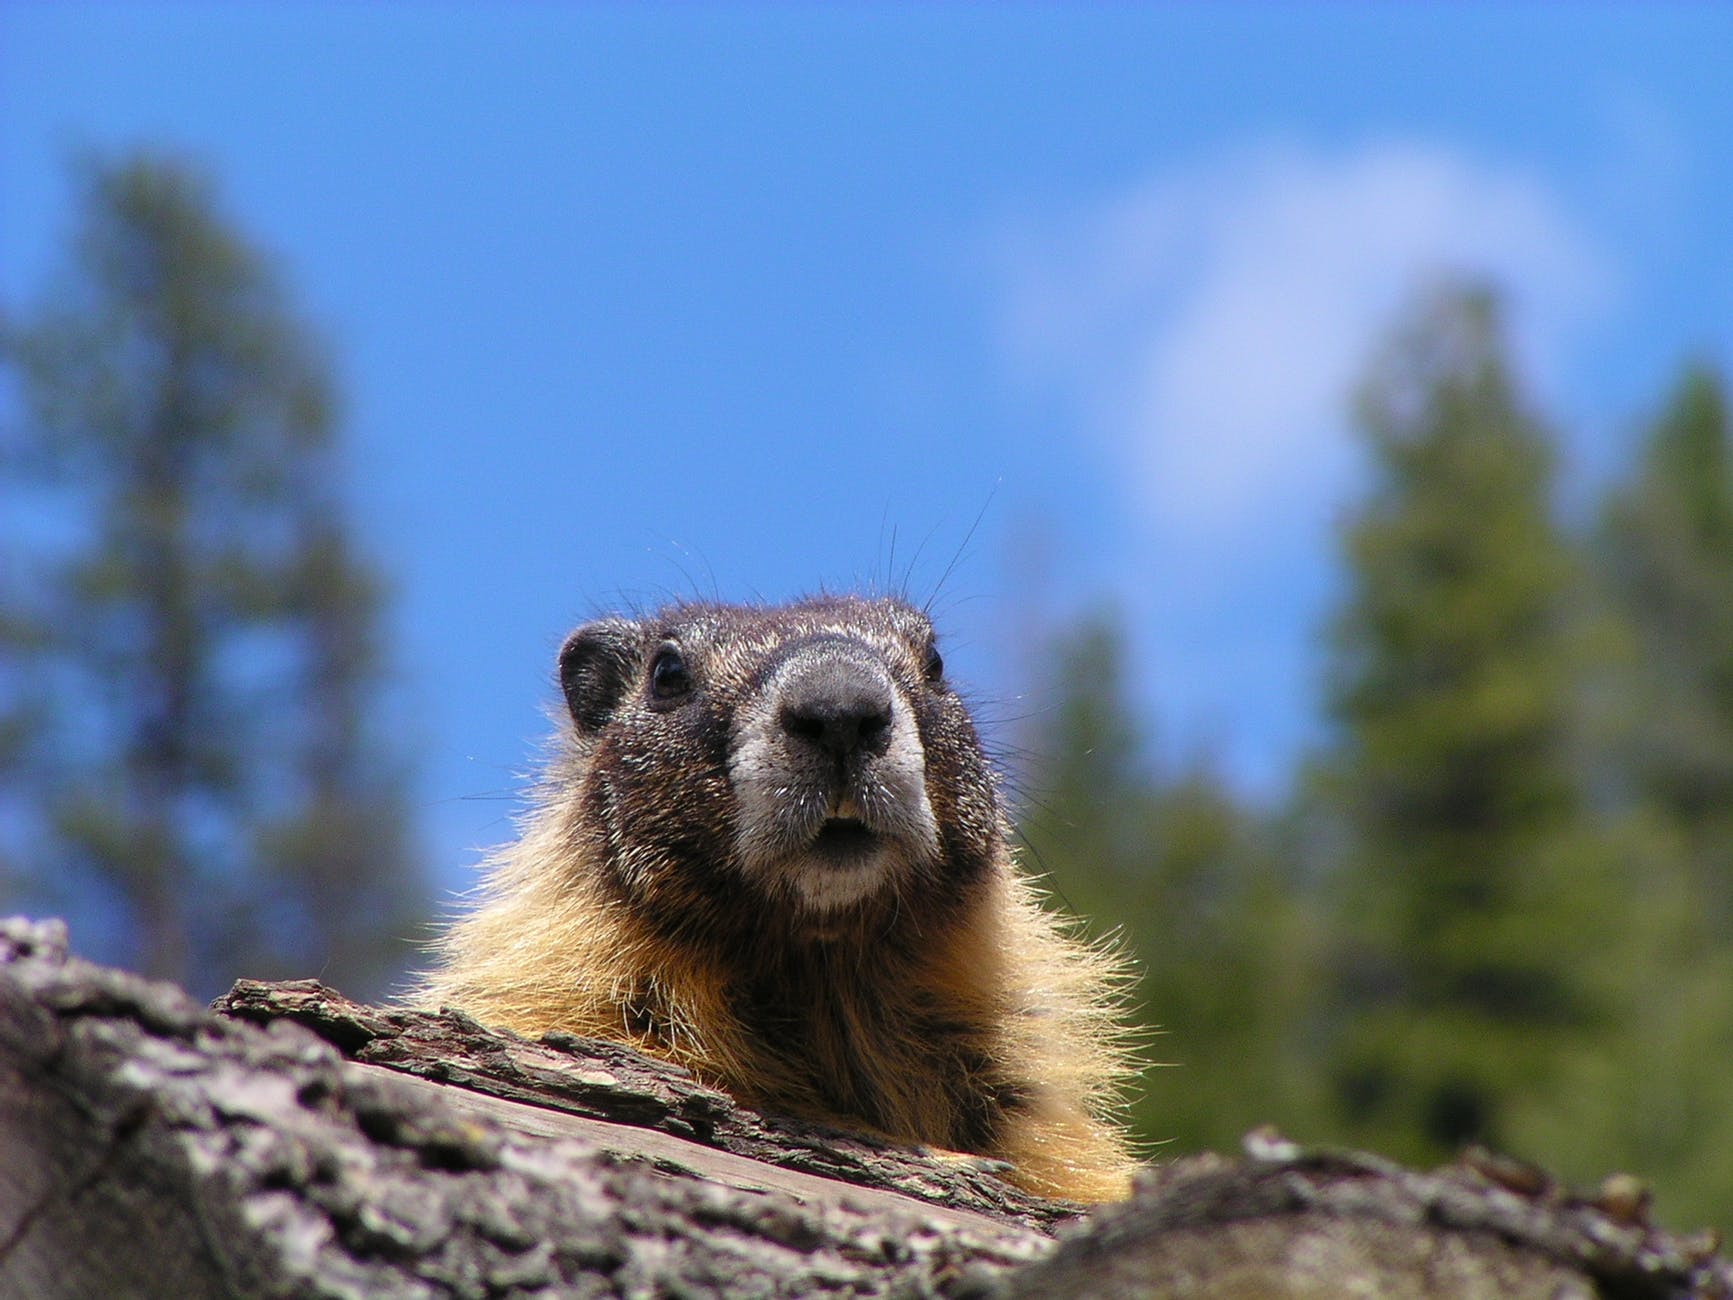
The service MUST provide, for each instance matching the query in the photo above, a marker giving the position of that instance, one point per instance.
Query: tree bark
(293, 1143)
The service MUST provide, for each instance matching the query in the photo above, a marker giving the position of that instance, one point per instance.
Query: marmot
(770, 848)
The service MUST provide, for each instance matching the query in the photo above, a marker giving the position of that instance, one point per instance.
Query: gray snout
(831, 776)
(838, 704)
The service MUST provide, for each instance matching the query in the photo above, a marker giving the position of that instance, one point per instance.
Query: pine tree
(1666, 556)
(207, 771)
(1088, 807)
(1463, 904)
(1190, 884)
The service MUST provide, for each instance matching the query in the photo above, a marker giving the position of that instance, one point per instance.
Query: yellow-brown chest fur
(770, 849)
(997, 1037)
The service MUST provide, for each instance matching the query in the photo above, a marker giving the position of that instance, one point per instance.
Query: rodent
(770, 848)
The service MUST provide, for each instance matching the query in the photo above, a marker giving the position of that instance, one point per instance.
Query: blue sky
(631, 300)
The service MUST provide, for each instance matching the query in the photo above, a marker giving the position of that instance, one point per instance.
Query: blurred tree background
(193, 759)
(1496, 906)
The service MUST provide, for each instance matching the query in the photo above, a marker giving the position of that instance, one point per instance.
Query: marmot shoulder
(769, 847)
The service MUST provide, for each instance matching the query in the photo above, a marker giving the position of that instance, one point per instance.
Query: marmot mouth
(843, 840)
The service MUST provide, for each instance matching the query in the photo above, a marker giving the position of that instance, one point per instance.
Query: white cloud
(1208, 326)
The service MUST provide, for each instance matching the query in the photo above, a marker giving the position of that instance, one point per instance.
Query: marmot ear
(597, 666)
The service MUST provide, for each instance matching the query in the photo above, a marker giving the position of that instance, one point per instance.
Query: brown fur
(944, 1006)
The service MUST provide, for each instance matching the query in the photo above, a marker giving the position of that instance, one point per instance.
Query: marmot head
(807, 761)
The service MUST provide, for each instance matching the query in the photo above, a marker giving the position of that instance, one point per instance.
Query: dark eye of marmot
(669, 679)
(935, 666)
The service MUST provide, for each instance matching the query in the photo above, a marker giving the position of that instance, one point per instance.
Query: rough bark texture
(155, 1148)
(603, 1081)
(297, 1144)
(1291, 1222)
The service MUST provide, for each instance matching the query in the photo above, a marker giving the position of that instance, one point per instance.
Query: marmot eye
(935, 666)
(668, 676)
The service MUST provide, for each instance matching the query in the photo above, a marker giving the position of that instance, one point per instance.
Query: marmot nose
(840, 707)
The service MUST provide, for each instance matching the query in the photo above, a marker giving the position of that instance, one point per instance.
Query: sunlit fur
(947, 1008)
